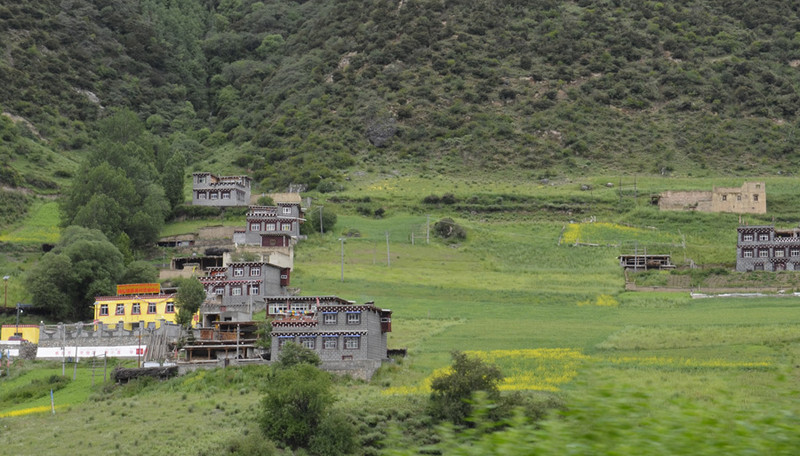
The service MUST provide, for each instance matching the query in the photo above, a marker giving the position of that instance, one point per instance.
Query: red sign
(138, 288)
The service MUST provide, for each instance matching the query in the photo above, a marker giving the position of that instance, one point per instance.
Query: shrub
(448, 198)
(295, 403)
(293, 354)
(335, 435)
(452, 392)
(431, 199)
(447, 228)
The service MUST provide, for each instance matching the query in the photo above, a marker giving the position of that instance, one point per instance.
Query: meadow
(554, 316)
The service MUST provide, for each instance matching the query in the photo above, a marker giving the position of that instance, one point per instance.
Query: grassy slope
(508, 287)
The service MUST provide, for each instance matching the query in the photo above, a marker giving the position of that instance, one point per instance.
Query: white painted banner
(116, 351)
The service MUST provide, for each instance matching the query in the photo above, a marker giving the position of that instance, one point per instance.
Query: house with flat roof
(273, 226)
(750, 198)
(209, 189)
(136, 305)
(235, 289)
(337, 330)
(765, 248)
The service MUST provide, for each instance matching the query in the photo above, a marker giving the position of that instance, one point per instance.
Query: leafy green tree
(172, 179)
(295, 403)
(452, 392)
(118, 188)
(293, 354)
(312, 223)
(67, 279)
(335, 435)
(140, 272)
(264, 334)
(265, 200)
(190, 296)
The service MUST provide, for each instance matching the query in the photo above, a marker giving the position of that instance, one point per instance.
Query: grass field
(554, 317)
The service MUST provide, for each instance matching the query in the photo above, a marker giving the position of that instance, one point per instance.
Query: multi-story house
(287, 305)
(750, 198)
(335, 329)
(136, 304)
(764, 248)
(211, 190)
(273, 226)
(234, 290)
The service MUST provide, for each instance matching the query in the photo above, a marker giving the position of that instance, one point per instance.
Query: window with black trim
(353, 318)
(329, 343)
(352, 343)
(329, 318)
(308, 342)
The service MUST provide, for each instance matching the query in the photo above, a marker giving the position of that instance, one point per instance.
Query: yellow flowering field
(546, 369)
(27, 411)
(601, 301)
(541, 369)
(612, 233)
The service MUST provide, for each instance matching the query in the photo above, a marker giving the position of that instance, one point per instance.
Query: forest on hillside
(297, 91)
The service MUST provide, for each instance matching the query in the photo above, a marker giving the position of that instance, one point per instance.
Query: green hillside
(296, 91)
(540, 128)
(604, 370)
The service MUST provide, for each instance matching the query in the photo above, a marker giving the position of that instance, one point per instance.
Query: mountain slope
(295, 91)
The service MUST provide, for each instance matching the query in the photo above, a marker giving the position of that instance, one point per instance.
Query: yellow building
(27, 332)
(134, 304)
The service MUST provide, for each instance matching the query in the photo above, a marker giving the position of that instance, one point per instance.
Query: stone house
(273, 226)
(750, 198)
(764, 248)
(336, 331)
(212, 190)
(234, 290)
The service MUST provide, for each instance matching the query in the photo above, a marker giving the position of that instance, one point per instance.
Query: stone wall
(85, 335)
(750, 198)
(359, 369)
(685, 201)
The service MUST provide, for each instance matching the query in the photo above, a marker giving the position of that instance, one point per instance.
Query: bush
(293, 354)
(431, 199)
(335, 435)
(295, 403)
(329, 185)
(451, 393)
(447, 228)
(312, 224)
(265, 200)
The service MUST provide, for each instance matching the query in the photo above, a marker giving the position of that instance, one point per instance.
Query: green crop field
(518, 292)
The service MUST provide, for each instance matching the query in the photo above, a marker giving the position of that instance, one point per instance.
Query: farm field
(634, 367)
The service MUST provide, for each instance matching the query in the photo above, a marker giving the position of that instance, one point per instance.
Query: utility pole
(320, 220)
(427, 229)
(342, 241)
(63, 348)
(388, 257)
(16, 330)
(5, 290)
